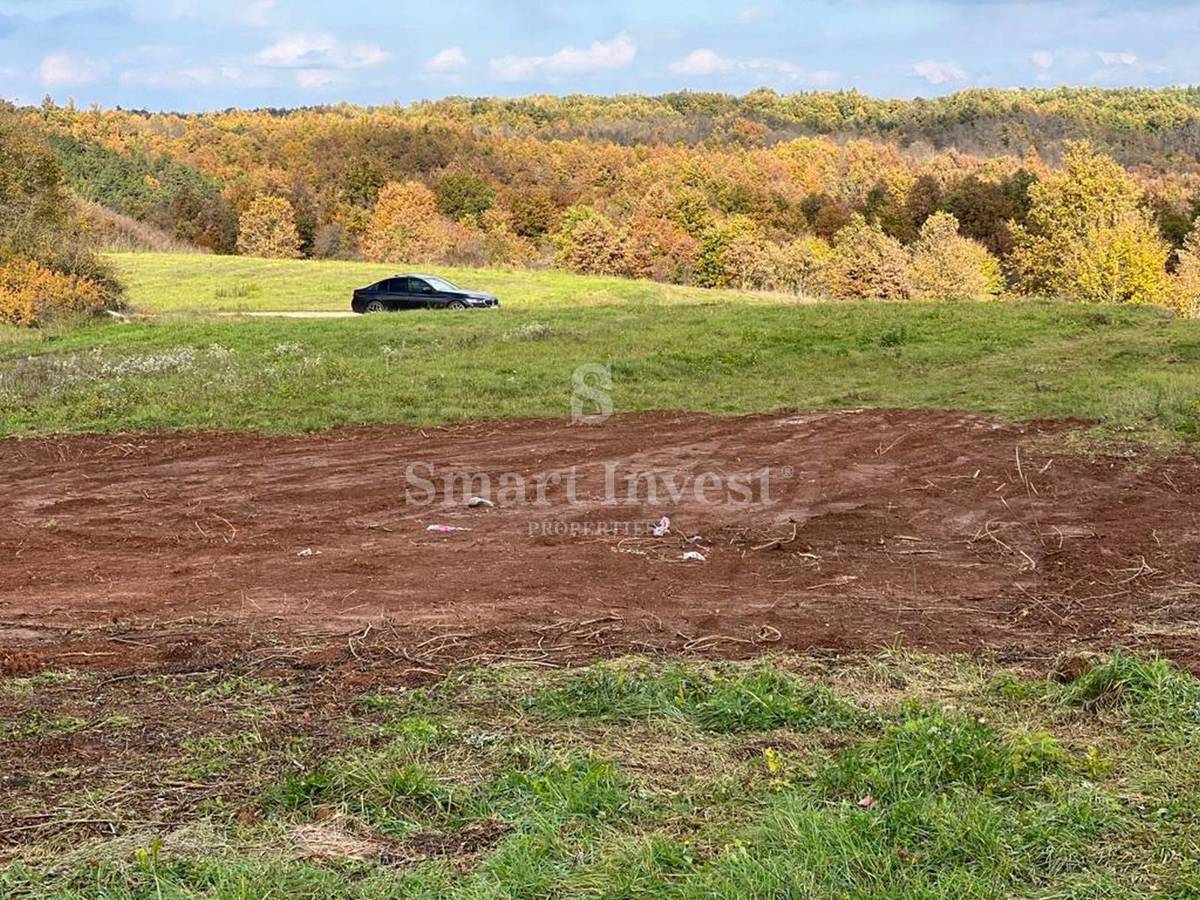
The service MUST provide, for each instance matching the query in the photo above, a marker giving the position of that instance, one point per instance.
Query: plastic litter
(307, 551)
(446, 529)
(663, 528)
(479, 501)
(693, 556)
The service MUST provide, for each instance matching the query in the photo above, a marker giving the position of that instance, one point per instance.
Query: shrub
(31, 294)
(268, 229)
(947, 266)
(866, 263)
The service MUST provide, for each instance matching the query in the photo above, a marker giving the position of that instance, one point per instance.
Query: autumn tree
(804, 266)
(727, 256)
(587, 242)
(405, 225)
(659, 248)
(48, 266)
(947, 266)
(501, 245)
(866, 263)
(1088, 237)
(532, 211)
(268, 229)
(987, 210)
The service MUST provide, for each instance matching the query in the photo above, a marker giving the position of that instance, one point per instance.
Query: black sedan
(418, 292)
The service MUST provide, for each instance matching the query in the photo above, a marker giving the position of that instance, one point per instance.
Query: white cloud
(319, 50)
(1042, 59)
(615, 54)
(702, 62)
(936, 72)
(62, 69)
(1118, 59)
(748, 15)
(447, 62)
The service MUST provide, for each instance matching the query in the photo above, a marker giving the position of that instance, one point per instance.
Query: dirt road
(941, 531)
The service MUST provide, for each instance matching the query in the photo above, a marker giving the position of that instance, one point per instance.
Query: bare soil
(176, 553)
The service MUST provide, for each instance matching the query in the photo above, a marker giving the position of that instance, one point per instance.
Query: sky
(193, 55)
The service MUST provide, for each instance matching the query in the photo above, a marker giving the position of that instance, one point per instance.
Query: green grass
(198, 283)
(1132, 370)
(893, 776)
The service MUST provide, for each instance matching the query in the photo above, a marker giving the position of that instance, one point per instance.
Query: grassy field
(1132, 370)
(889, 776)
(199, 283)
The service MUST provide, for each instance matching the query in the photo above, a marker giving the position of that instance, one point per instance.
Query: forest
(1079, 194)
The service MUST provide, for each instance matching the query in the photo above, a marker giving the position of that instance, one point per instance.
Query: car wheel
(375, 306)
(456, 304)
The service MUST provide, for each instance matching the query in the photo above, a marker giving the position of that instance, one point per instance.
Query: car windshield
(440, 284)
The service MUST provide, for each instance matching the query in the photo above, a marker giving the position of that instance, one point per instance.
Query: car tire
(375, 306)
(456, 304)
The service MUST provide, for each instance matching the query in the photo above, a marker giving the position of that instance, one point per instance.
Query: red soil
(181, 552)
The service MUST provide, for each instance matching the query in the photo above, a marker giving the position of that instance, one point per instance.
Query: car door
(421, 293)
(392, 292)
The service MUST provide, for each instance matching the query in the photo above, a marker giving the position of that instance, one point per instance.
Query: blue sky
(203, 54)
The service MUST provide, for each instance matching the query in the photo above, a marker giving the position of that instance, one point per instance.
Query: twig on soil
(776, 544)
(706, 640)
(986, 531)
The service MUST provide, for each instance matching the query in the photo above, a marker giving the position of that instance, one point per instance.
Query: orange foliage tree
(268, 229)
(405, 225)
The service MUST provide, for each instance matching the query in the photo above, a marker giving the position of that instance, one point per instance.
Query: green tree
(726, 257)
(462, 195)
(1088, 238)
(268, 229)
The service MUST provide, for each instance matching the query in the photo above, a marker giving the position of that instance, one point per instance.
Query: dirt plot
(184, 552)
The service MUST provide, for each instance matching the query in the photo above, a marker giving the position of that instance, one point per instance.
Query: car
(418, 292)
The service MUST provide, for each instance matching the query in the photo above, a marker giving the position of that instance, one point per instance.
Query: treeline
(550, 181)
(1135, 126)
(48, 264)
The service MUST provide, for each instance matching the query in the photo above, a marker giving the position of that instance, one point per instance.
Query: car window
(419, 286)
(392, 285)
(441, 284)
